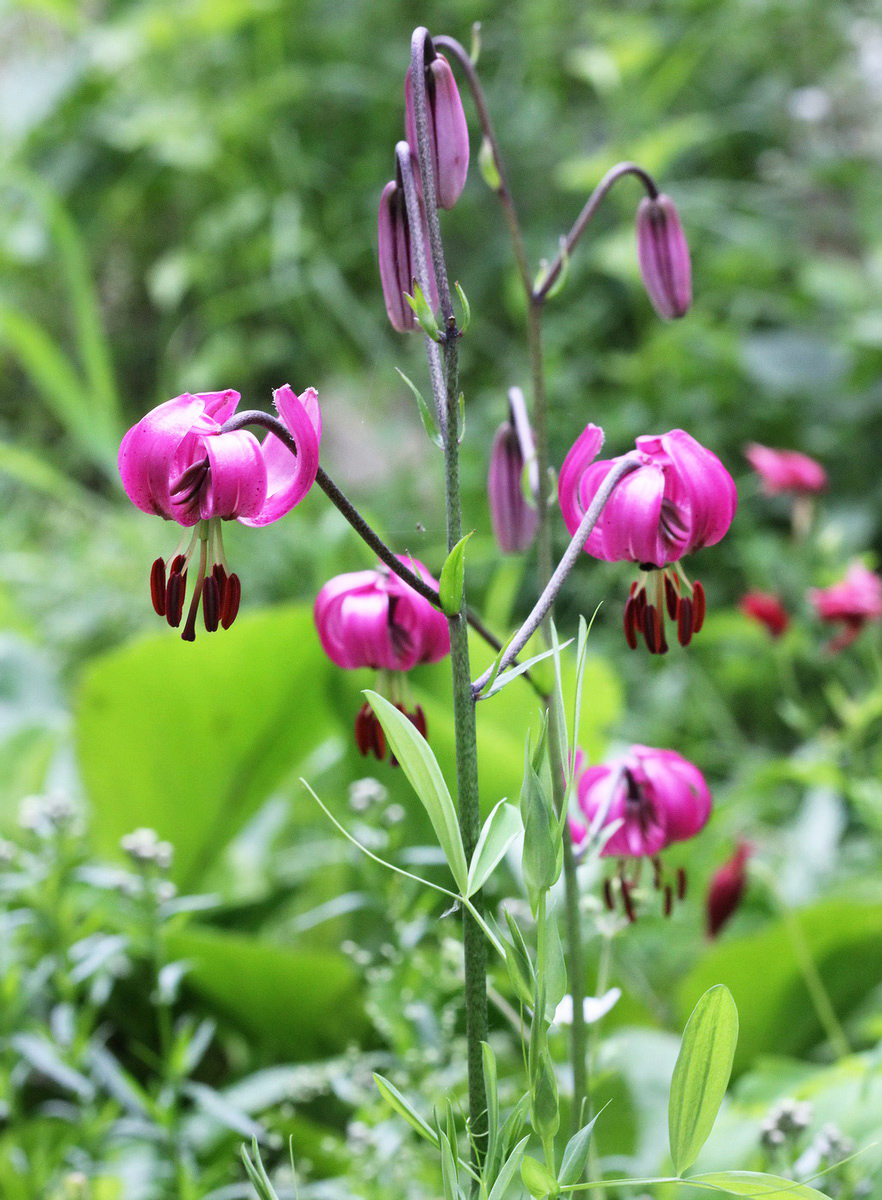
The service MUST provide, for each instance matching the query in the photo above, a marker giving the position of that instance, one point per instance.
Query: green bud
(544, 1107)
(537, 1178)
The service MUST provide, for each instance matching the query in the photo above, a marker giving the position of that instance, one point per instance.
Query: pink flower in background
(374, 619)
(785, 470)
(726, 889)
(448, 131)
(767, 610)
(663, 256)
(656, 797)
(854, 601)
(177, 464)
(679, 499)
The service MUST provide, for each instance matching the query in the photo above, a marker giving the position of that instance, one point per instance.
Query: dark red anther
(628, 902)
(177, 564)
(157, 587)
(175, 591)
(654, 631)
(608, 898)
(699, 603)
(378, 740)
(656, 873)
(685, 622)
(210, 603)
(681, 883)
(232, 594)
(220, 576)
(672, 597)
(362, 729)
(668, 903)
(418, 720)
(630, 622)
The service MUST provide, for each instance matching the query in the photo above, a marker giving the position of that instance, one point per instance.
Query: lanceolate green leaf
(500, 830)
(507, 1173)
(451, 582)
(701, 1074)
(403, 1107)
(424, 775)
(754, 1183)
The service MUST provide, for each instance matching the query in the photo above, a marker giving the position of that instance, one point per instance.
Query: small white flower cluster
(8, 851)
(144, 846)
(365, 793)
(47, 815)
(785, 1122)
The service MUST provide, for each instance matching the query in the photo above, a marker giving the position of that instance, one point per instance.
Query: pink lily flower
(854, 601)
(679, 499)
(656, 797)
(768, 610)
(177, 464)
(785, 470)
(515, 520)
(448, 130)
(397, 258)
(374, 619)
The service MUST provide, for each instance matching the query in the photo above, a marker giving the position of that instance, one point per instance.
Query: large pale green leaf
(844, 938)
(701, 1074)
(190, 738)
(299, 1004)
(499, 831)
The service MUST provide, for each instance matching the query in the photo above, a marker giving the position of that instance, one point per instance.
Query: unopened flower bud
(726, 889)
(664, 257)
(448, 131)
(514, 519)
(397, 258)
(767, 610)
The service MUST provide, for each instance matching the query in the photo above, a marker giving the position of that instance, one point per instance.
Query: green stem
(465, 731)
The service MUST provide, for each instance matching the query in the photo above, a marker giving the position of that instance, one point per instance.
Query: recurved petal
(700, 486)
(289, 477)
(584, 450)
(629, 526)
(147, 454)
(237, 486)
(681, 794)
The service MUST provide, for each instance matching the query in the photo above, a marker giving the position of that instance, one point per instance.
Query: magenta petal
(289, 477)
(680, 791)
(664, 257)
(515, 521)
(147, 454)
(701, 488)
(238, 476)
(584, 450)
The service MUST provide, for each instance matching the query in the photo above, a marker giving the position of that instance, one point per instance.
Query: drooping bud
(664, 257)
(397, 258)
(515, 519)
(726, 889)
(448, 131)
(766, 609)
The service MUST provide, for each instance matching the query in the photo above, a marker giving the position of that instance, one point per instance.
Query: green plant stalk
(465, 732)
(534, 335)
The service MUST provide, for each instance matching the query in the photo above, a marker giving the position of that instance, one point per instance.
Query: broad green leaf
(403, 1107)
(537, 1178)
(555, 969)
(507, 1172)
(44, 1058)
(500, 829)
(424, 775)
(190, 739)
(448, 1170)
(755, 1183)
(517, 959)
(295, 1004)
(701, 1074)
(451, 581)
(576, 1154)
(844, 938)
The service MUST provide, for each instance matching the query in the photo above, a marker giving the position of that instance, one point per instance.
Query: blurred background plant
(189, 202)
